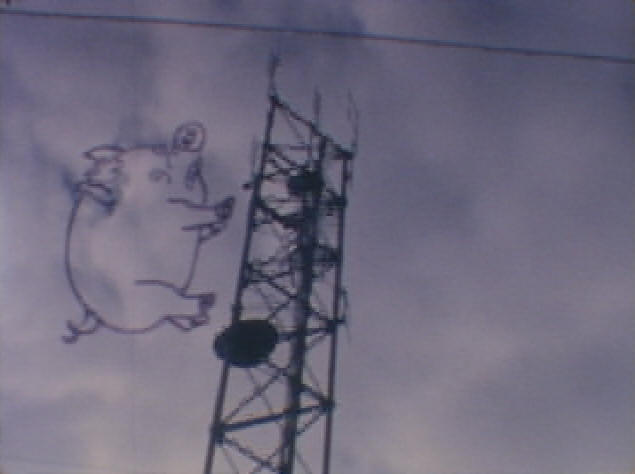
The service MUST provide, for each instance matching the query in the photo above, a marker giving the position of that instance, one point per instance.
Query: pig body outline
(171, 176)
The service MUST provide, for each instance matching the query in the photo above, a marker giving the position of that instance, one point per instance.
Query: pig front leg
(205, 228)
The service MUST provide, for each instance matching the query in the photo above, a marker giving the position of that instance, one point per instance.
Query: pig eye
(189, 137)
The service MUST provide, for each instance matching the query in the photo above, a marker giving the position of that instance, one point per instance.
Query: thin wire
(429, 42)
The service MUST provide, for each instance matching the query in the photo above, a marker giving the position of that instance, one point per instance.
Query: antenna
(275, 401)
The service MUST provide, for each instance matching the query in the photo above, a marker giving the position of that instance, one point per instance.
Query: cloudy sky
(489, 252)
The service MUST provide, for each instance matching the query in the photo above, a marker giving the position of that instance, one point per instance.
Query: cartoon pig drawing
(139, 221)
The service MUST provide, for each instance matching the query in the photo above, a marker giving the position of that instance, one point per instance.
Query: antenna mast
(274, 406)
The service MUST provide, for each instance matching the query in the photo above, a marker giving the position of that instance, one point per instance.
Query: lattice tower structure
(275, 402)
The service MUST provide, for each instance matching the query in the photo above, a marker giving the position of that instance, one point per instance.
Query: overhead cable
(358, 35)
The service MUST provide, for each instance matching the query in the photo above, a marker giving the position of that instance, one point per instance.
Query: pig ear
(189, 136)
(103, 152)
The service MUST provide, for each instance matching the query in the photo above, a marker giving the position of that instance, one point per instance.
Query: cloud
(488, 248)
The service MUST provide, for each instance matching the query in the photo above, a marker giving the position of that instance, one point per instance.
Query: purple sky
(489, 252)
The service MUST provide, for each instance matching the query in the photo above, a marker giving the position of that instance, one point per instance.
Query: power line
(429, 42)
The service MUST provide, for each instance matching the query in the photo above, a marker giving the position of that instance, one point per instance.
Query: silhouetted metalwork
(175, 170)
(246, 343)
(279, 352)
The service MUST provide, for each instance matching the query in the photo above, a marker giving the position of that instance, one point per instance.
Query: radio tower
(274, 406)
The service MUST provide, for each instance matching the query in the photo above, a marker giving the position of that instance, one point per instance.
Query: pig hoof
(188, 322)
(88, 326)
